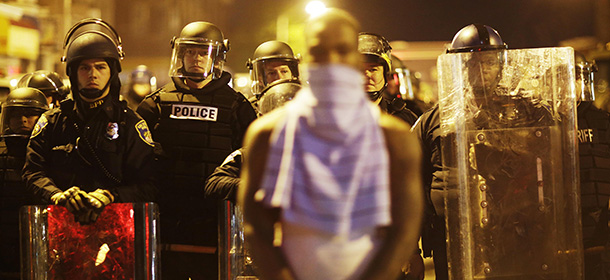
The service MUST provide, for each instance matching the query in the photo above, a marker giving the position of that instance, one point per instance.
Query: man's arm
(407, 200)
(259, 221)
(223, 182)
(35, 176)
(149, 110)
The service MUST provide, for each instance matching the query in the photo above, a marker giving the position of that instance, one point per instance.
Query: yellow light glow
(314, 8)
(242, 81)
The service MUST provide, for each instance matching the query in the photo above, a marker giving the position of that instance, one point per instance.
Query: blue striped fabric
(328, 163)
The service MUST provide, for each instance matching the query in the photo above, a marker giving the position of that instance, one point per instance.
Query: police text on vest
(194, 112)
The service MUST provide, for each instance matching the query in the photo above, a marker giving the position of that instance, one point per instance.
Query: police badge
(112, 131)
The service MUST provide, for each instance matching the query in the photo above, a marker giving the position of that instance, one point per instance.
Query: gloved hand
(96, 202)
(74, 199)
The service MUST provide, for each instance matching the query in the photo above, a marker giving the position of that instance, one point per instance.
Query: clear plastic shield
(121, 244)
(508, 143)
(234, 258)
(197, 58)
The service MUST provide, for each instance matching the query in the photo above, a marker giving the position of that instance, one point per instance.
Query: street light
(314, 8)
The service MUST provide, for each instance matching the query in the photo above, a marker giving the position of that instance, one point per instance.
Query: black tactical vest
(594, 148)
(195, 132)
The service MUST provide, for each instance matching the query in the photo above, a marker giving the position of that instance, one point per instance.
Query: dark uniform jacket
(594, 150)
(224, 181)
(112, 150)
(398, 108)
(13, 195)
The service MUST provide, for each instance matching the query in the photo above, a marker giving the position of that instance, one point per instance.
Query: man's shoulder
(267, 122)
(390, 123)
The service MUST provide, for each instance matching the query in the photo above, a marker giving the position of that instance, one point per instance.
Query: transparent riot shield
(234, 260)
(508, 147)
(121, 244)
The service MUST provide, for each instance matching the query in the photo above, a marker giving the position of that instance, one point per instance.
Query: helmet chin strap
(375, 95)
(93, 93)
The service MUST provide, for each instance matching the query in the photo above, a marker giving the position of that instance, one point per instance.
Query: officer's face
(22, 120)
(333, 43)
(197, 60)
(276, 70)
(373, 73)
(484, 70)
(93, 73)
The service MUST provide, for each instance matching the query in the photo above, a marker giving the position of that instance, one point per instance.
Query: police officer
(92, 150)
(376, 51)
(20, 112)
(198, 120)
(50, 83)
(271, 61)
(594, 144)
(142, 82)
(400, 84)
(472, 38)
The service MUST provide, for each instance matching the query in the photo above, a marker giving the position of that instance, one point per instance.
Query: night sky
(521, 23)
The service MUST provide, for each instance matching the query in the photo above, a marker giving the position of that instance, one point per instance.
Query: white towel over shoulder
(328, 163)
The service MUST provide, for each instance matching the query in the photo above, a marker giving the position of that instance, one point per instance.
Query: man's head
(376, 52)
(93, 48)
(487, 55)
(272, 61)
(93, 75)
(332, 38)
(50, 83)
(21, 111)
(199, 52)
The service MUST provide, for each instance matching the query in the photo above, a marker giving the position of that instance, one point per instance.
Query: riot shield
(121, 244)
(508, 147)
(235, 262)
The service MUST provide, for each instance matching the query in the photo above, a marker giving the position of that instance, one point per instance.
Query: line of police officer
(189, 147)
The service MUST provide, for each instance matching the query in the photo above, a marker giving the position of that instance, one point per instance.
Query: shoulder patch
(144, 132)
(42, 122)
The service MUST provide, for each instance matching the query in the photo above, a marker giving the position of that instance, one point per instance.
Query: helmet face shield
(277, 94)
(266, 71)
(19, 115)
(584, 81)
(485, 70)
(197, 58)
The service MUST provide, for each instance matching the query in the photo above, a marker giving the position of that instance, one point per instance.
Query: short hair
(335, 16)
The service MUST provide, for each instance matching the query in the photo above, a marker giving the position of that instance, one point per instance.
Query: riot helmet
(476, 37)
(487, 55)
(50, 83)
(272, 61)
(276, 94)
(21, 110)
(141, 83)
(198, 52)
(400, 79)
(585, 88)
(93, 39)
(376, 50)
